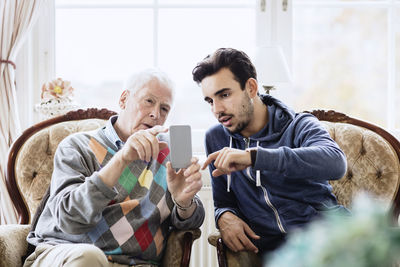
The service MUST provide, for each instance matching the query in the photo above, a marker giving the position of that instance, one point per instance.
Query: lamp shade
(271, 65)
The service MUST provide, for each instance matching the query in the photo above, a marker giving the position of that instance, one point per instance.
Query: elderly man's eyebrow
(167, 105)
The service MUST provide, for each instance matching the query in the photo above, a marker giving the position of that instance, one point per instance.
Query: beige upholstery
(29, 172)
(13, 244)
(34, 178)
(373, 166)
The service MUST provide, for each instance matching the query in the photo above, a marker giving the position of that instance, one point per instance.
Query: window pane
(340, 61)
(397, 62)
(97, 49)
(193, 37)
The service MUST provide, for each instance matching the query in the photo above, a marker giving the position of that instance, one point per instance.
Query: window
(343, 53)
(98, 44)
(345, 57)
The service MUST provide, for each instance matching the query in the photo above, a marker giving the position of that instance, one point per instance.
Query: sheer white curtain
(16, 20)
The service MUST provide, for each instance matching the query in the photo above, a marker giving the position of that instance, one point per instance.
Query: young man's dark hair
(236, 61)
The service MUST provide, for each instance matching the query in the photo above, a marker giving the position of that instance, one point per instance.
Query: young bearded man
(269, 165)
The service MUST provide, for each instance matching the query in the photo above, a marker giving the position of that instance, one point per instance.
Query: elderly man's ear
(123, 99)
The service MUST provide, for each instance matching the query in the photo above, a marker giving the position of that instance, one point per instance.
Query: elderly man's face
(147, 107)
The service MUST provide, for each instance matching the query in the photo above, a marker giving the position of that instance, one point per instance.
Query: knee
(88, 255)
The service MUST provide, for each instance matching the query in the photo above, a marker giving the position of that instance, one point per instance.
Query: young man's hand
(228, 160)
(236, 233)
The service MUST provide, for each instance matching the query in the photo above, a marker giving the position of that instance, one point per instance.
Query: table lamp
(271, 67)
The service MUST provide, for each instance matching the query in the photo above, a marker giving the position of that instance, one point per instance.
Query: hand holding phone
(180, 138)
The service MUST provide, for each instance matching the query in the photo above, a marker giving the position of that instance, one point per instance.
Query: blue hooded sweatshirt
(295, 158)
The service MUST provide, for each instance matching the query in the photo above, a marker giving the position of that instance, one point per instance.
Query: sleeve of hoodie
(78, 196)
(314, 154)
(223, 201)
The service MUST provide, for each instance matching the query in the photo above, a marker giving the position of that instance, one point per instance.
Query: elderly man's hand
(184, 184)
(143, 145)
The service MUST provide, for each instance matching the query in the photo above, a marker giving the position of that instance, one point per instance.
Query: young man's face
(145, 108)
(231, 105)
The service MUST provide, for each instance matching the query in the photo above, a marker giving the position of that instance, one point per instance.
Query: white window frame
(37, 57)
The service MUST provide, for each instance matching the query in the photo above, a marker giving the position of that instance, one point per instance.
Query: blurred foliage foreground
(363, 239)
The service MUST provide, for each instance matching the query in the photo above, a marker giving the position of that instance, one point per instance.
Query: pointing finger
(210, 158)
(158, 129)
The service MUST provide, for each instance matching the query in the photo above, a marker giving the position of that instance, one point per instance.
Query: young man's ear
(123, 99)
(252, 87)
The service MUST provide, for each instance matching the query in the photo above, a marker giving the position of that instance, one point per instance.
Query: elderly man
(270, 165)
(114, 195)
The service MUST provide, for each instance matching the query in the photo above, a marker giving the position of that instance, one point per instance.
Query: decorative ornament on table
(57, 99)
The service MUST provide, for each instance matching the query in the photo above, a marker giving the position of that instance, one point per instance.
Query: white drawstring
(228, 184)
(258, 175)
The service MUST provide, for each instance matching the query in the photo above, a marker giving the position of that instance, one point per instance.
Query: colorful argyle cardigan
(134, 226)
(135, 222)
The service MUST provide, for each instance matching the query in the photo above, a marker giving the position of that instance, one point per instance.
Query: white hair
(139, 79)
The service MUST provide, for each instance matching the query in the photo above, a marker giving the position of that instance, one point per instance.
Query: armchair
(29, 169)
(373, 165)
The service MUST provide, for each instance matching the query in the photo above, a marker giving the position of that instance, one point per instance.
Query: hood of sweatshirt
(279, 118)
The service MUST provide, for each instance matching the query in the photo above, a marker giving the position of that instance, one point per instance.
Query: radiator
(203, 254)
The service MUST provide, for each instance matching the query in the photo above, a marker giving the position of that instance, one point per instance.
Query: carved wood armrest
(179, 247)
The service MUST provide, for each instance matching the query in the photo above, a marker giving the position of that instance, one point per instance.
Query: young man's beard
(246, 113)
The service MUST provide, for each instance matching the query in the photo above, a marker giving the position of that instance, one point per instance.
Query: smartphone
(180, 140)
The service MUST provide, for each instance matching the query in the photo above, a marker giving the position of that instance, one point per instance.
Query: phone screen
(180, 138)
